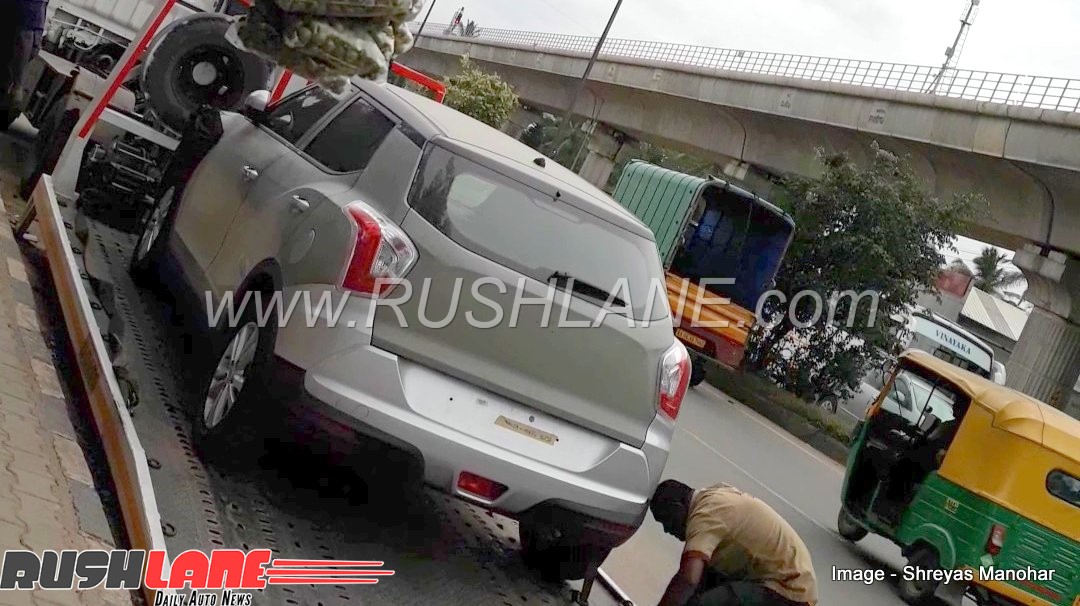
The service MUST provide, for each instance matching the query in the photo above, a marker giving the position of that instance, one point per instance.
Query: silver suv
(497, 318)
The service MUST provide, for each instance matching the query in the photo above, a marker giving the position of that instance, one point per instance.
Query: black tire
(235, 435)
(559, 561)
(831, 404)
(697, 371)
(171, 75)
(104, 58)
(150, 247)
(849, 528)
(919, 593)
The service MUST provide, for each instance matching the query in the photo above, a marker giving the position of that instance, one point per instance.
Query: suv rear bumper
(363, 389)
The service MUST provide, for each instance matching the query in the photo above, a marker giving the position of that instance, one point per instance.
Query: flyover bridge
(1014, 138)
(1042, 92)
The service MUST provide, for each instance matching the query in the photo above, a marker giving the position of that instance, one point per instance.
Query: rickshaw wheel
(918, 592)
(849, 528)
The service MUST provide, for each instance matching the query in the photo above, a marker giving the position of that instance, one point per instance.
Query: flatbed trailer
(297, 499)
(301, 499)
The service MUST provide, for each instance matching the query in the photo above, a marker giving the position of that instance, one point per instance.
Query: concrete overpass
(1013, 138)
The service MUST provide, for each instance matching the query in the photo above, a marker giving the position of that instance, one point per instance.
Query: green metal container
(661, 199)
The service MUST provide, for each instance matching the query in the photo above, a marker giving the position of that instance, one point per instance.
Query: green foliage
(858, 229)
(484, 96)
(563, 147)
(990, 273)
(772, 402)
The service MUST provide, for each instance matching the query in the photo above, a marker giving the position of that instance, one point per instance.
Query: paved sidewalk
(47, 495)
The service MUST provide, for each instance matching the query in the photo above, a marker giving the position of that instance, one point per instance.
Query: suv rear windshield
(534, 234)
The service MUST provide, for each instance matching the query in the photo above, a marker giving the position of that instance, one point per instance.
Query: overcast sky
(1033, 37)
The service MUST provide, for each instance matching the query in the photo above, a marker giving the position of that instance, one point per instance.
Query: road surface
(719, 440)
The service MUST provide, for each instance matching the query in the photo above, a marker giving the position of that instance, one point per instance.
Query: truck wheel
(697, 371)
(849, 528)
(153, 238)
(234, 399)
(919, 592)
(557, 561)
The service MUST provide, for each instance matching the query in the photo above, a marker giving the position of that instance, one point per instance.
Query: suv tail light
(674, 379)
(479, 486)
(382, 252)
(996, 540)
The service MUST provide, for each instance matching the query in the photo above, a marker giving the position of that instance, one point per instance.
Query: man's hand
(685, 582)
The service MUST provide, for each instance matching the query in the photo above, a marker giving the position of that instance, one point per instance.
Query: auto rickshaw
(970, 479)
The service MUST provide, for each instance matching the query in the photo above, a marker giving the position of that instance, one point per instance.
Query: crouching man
(738, 552)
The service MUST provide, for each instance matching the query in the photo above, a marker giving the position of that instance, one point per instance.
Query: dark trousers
(16, 52)
(718, 591)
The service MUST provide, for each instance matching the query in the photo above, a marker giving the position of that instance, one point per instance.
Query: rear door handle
(250, 173)
(299, 204)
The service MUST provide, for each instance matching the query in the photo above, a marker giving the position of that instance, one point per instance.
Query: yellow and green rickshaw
(974, 481)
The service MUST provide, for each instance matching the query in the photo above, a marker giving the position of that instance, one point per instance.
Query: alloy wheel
(227, 382)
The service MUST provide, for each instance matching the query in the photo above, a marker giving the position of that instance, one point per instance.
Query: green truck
(721, 246)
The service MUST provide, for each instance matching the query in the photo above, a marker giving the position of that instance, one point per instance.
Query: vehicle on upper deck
(566, 429)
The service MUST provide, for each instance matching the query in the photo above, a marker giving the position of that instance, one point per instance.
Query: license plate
(694, 340)
(527, 430)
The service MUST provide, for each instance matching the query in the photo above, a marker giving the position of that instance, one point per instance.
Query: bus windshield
(738, 237)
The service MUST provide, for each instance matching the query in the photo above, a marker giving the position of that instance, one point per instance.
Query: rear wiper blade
(560, 279)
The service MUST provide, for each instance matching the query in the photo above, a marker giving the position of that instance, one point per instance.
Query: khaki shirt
(742, 538)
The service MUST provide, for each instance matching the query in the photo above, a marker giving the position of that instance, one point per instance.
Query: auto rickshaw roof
(1013, 411)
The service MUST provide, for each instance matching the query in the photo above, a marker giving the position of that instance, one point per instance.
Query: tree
(990, 274)
(958, 265)
(543, 137)
(484, 96)
(858, 230)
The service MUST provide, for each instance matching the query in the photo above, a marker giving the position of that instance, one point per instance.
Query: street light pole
(565, 126)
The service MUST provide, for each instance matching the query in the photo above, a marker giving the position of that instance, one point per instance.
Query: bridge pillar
(1046, 361)
(602, 149)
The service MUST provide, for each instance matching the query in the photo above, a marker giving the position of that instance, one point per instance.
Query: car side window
(350, 140)
(295, 116)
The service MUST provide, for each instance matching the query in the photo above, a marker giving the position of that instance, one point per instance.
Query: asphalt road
(719, 440)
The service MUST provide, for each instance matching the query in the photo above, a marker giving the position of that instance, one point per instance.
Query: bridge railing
(1011, 89)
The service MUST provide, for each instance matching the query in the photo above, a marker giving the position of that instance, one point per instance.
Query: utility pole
(424, 22)
(952, 54)
(565, 127)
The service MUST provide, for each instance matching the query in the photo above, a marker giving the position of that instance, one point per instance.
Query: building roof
(999, 316)
(1013, 411)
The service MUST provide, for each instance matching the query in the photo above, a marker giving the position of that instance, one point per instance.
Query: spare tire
(190, 63)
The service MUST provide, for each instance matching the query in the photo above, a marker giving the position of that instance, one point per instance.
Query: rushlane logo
(229, 570)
